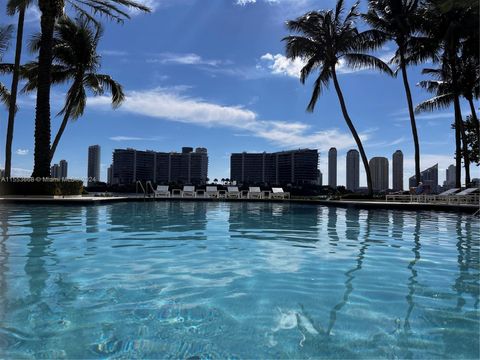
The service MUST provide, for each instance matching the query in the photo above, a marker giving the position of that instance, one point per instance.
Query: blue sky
(212, 73)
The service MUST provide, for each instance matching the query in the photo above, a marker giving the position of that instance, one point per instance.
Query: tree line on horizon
(442, 34)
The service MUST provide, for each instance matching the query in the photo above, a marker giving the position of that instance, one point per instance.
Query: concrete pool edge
(465, 208)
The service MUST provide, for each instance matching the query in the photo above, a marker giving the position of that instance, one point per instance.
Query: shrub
(48, 186)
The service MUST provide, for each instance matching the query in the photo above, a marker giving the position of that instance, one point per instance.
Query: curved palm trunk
(63, 125)
(14, 90)
(354, 132)
(413, 124)
(49, 10)
(466, 158)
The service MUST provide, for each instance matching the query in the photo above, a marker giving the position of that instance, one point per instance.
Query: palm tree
(452, 28)
(50, 11)
(14, 6)
(5, 36)
(325, 39)
(397, 21)
(75, 59)
(445, 95)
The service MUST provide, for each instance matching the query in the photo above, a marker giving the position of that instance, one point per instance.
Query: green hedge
(31, 186)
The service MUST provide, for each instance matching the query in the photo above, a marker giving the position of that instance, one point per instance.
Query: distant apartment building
(60, 170)
(187, 167)
(379, 171)
(319, 178)
(93, 164)
(428, 177)
(397, 171)
(332, 168)
(110, 175)
(450, 177)
(285, 167)
(353, 170)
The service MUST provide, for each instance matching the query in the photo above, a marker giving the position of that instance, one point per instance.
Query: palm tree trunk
(13, 99)
(412, 117)
(465, 152)
(49, 10)
(66, 116)
(458, 146)
(354, 132)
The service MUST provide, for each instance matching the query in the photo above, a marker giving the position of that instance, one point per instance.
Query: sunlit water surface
(237, 280)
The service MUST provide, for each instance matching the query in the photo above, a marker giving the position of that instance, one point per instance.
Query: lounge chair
(177, 193)
(211, 192)
(161, 191)
(254, 193)
(188, 191)
(278, 193)
(443, 196)
(233, 193)
(467, 196)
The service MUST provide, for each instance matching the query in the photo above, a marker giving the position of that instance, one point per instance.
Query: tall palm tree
(50, 11)
(14, 6)
(450, 25)
(397, 21)
(76, 60)
(325, 38)
(5, 36)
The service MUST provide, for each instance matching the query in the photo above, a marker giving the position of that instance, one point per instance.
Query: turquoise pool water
(198, 280)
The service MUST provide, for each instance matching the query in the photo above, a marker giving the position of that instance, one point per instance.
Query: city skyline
(232, 99)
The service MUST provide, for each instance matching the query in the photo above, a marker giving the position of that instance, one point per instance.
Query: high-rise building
(110, 175)
(450, 177)
(187, 167)
(320, 178)
(397, 171)
(55, 171)
(93, 164)
(353, 170)
(63, 168)
(332, 168)
(379, 171)
(428, 177)
(285, 167)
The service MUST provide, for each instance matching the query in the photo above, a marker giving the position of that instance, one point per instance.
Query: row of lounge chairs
(212, 192)
(452, 196)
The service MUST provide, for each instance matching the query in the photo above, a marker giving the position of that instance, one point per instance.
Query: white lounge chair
(177, 193)
(232, 192)
(443, 196)
(467, 196)
(201, 193)
(254, 193)
(211, 192)
(161, 191)
(278, 193)
(188, 191)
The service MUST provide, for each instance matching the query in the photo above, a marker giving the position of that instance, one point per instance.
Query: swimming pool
(212, 280)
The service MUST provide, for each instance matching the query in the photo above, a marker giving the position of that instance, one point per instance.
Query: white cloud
(168, 104)
(22, 152)
(279, 64)
(183, 59)
(19, 172)
(113, 52)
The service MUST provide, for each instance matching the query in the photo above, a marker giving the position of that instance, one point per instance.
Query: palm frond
(435, 103)
(100, 83)
(321, 82)
(365, 61)
(5, 37)
(4, 95)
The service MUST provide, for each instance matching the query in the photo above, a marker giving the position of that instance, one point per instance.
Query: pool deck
(91, 200)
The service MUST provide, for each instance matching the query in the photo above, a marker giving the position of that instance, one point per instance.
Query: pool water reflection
(236, 280)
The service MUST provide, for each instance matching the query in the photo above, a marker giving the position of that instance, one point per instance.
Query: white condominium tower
(397, 171)
(332, 168)
(353, 170)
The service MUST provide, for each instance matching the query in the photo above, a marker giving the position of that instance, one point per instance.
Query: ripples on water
(236, 280)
